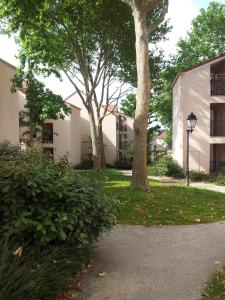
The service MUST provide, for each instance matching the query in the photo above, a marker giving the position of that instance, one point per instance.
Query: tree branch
(76, 87)
(152, 27)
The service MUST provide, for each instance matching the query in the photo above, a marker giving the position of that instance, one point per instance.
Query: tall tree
(86, 39)
(140, 10)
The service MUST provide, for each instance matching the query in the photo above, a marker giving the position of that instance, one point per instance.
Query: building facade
(9, 105)
(117, 133)
(59, 137)
(201, 90)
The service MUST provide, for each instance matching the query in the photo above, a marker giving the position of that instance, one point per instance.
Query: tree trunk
(139, 174)
(94, 140)
(101, 145)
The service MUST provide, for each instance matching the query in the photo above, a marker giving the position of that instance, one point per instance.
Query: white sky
(181, 13)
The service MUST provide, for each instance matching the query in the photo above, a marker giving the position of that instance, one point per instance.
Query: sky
(181, 13)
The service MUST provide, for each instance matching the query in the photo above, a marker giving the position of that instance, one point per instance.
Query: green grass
(215, 289)
(162, 204)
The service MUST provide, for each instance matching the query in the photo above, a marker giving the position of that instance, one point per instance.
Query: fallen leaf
(102, 274)
(18, 252)
(197, 220)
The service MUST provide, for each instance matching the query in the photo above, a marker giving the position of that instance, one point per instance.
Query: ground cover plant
(162, 204)
(215, 289)
(49, 217)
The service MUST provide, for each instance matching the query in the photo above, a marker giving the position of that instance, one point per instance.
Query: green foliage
(215, 289)
(218, 179)
(38, 273)
(9, 150)
(166, 166)
(205, 39)
(44, 201)
(197, 176)
(128, 105)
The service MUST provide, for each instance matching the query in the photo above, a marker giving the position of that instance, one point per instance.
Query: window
(121, 123)
(47, 133)
(123, 141)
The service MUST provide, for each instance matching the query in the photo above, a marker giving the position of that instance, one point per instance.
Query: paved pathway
(155, 263)
(173, 181)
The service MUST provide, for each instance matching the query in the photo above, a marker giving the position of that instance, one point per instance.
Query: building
(159, 145)
(70, 136)
(60, 137)
(201, 90)
(9, 105)
(117, 132)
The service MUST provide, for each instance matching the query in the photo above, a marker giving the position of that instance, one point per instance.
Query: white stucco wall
(9, 118)
(177, 146)
(66, 138)
(191, 93)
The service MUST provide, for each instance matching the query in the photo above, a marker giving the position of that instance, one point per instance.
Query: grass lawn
(162, 204)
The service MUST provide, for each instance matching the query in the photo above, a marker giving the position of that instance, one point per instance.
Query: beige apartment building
(201, 90)
(70, 136)
(60, 137)
(117, 133)
(9, 105)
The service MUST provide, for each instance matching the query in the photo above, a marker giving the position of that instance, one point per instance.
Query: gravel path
(155, 263)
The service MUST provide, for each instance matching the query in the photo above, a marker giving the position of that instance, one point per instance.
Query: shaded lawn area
(162, 204)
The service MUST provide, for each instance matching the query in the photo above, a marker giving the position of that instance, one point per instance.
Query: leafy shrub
(38, 273)
(197, 176)
(44, 201)
(166, 166)
(217, 179)
(8, 149)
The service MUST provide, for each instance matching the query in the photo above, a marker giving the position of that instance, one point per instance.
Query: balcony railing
(217, 128)
(218, 85)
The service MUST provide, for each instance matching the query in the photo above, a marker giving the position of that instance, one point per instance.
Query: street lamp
(191, 121)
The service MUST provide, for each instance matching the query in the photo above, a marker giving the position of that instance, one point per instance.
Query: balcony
(218, 85)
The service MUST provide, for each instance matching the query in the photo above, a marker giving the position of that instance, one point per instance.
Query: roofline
(7, 63)
(197, 66)
(114, 112)
(74, 106)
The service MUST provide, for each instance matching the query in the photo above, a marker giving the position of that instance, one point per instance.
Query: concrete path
(174, 181)
(155, 263)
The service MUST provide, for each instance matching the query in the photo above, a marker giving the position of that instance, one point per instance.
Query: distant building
(159, 145)
(117, 132)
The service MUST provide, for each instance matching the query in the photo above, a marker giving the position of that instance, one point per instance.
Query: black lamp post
(191, 120)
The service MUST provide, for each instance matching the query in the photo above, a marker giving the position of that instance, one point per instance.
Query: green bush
(45, 202)
(197, 176)
(9, 150)
(166, 166)
(38, 273)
